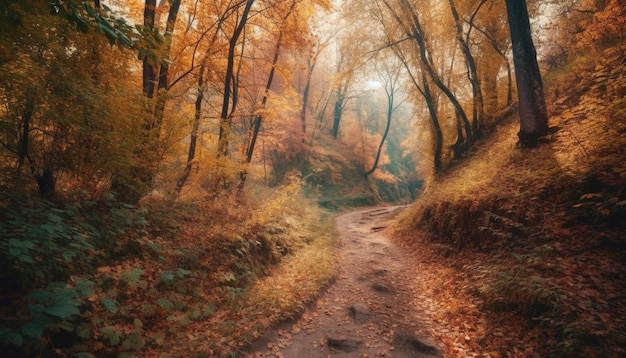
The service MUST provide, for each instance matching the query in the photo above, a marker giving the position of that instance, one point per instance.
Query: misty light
(373, 84)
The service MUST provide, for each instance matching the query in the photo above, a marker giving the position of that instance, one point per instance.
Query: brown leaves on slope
(525, 249)
(447, 294)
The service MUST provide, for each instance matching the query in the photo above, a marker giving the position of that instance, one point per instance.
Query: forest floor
(368, 311)
(521, 252)
(513, 253)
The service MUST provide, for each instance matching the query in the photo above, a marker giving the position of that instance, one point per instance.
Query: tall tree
(211, 39)
(164, 67)
(345, 76)
(407, 17)
(339, 107)
(155, 71)
(493, 55)
(472, 71)
(229, 101)
(311, 62)
(390, 79)
(253, 133)
(394, 38)
(148, 69)
(202, 85)
(532, 103)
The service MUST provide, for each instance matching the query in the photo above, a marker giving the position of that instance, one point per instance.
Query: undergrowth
(166, 278)
(43, 251)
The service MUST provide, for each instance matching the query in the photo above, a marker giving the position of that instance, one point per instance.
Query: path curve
(366, 312)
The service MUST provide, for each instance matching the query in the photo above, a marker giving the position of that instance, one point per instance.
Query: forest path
(367, 311)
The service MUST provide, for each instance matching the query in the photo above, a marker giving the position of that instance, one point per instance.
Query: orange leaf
(104, 269)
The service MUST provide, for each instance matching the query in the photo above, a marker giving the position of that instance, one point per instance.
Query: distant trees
(429, 56)
(581, 25)
(390, 81)
(239, 86)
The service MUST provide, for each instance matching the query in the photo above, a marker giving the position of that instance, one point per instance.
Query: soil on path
(367, 311)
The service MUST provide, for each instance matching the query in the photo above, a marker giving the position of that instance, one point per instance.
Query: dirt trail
(366, 312)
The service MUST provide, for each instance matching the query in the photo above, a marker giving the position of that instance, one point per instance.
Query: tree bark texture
(532, 104)
(149, 73)
(163, 84)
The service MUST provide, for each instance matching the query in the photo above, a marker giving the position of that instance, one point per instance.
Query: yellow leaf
(567, 114)
(590, 196)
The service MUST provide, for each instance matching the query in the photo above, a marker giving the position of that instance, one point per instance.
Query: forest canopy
(182, 94)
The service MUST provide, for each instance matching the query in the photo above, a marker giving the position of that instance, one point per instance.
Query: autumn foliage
(162, 163)
(530, 248)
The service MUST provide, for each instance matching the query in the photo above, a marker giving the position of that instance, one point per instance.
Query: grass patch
(299, 277)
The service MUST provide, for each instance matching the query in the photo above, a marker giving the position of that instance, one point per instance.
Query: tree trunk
(434, 118)
(258, 120)
(477, 97)
(374, 188)
(390, 100)
(318, 124)
(424, 89)
(46, 183)
(159, 107)
(191, 153)
(256, 126)
(532, 104)
(305, 93)
(229, 82)
(193, 137)
(131, 190)
(149, 72)
(490, 84)
(23, 142)
(505, 59)
(458, 147)
(337, 113)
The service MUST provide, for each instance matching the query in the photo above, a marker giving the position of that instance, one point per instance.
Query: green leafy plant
(47, 310)
(167, 277)
(110, 335)
(42, 247)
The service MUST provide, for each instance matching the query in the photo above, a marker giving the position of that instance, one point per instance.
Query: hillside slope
(334, 178)
(526, 248)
